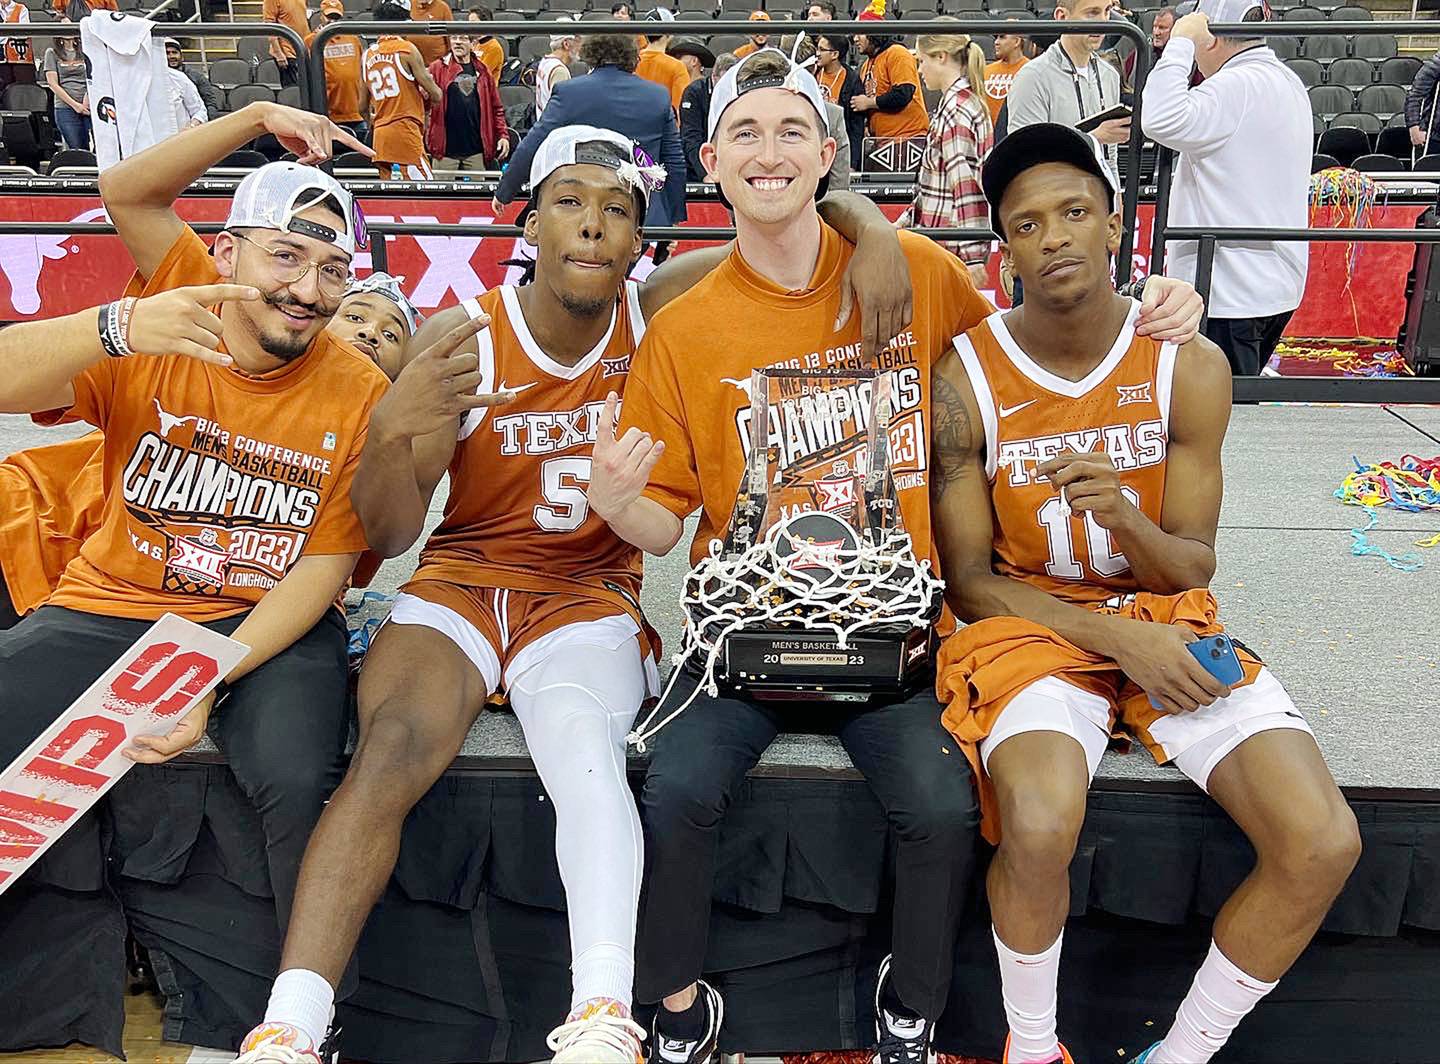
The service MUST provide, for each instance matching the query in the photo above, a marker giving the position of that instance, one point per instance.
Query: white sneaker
(280, 1043)
(598, 1032)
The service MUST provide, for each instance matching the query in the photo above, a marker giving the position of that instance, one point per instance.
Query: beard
(286, 346)
(582, 307)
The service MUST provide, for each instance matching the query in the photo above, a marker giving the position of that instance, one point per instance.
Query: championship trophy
(814, 593)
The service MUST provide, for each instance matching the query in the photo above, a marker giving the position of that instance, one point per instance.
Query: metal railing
(1130, 198)
(1300, 389)
(201, 30)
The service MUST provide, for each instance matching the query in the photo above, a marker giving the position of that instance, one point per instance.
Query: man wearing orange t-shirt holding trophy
(227, 461)
(691, 390)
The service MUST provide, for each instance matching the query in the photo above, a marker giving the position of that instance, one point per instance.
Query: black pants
(8, 617)
(282, 727)
(290, 73)
(1248, 342)
(698, 763)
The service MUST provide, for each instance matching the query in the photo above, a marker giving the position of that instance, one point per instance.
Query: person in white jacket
(185, 98)
(1244, 140)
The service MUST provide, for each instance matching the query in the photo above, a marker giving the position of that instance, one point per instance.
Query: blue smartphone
(1216, 655)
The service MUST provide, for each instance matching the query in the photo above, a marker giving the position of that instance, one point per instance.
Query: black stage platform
(467, 958)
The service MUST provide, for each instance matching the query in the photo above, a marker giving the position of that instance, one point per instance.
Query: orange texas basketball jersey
(394, 96)
(1122, 407)
(517, 516)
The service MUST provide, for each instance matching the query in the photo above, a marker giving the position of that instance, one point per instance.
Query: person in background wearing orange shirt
(658, 65)
(892, 99)
(486, 48)
(232, 426)
(346, 97)
(757, 40)
(1009, 58)
(287, 13)
(431, 47)
(61, 7)
(399, 88)
(18, 67)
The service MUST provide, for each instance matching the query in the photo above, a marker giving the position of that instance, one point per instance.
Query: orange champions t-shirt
(895, 66)
(998, 79)
(690, 382)
(517, 516)
(54, 498)
(667, 72)
(342, 77)
(215, 483)
(431, 47)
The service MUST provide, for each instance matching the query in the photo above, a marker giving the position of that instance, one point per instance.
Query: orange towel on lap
(985, 665)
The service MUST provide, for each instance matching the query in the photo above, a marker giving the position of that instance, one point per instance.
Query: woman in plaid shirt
(947, 191)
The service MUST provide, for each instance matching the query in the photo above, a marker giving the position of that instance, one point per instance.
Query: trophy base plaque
(790, 663)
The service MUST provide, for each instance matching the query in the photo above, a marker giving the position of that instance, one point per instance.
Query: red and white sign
(77, 759)
(47, 276)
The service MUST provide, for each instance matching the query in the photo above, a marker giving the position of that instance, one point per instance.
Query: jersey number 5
(1104, 559)
(562, 486)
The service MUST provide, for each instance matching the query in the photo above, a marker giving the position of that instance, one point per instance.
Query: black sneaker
(667, 1050)
(900, 1039)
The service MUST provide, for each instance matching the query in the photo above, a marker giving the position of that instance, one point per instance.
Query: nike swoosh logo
(1006, 411)
(517, 389)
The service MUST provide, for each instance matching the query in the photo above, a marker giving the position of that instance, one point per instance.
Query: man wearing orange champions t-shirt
(688, 391)
(54, 495)
(231, 438)
(399, 88)
(346, 98)
(1077, 489)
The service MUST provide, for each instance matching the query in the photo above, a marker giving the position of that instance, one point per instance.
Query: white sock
(1219, 998)
(1027, 984)
(302, 999)
(606, 970)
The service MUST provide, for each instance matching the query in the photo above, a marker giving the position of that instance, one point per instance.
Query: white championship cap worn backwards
(272, 197)
(382, 284)
(798, 80)
(569, 145)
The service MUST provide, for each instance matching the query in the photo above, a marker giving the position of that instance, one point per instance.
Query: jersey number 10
(1059, 530)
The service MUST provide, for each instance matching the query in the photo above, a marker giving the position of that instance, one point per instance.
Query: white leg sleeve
(576, 705)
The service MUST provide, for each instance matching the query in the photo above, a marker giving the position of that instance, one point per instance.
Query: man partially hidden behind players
(230, 440)
(1076, 492)
(399, 87)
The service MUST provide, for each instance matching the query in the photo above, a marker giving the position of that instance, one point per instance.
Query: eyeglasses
(288, 268)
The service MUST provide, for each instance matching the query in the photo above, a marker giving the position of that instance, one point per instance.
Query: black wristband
(106, 312)
(1135, 289)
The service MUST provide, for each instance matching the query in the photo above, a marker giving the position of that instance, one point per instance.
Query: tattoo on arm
(950, 432)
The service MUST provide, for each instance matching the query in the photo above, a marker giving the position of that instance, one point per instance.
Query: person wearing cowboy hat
(694, 54)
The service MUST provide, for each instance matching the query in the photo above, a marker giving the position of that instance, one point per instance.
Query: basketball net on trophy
(815, 592)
